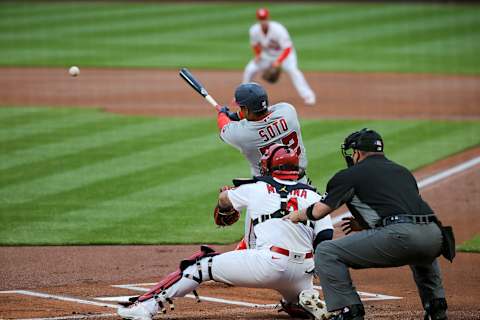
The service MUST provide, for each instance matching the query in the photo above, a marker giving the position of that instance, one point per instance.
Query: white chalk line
(429, 181)
(58, 297)
(136, 287)
(73, 317)
(368, 296)
(365, 296)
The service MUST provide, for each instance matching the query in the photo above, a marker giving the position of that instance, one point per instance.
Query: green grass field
(75, 176)
(70, 176)
(472, 245)
(430, 38)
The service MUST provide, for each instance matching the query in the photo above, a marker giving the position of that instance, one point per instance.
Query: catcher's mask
(365, 140)
(252, 96)
(281, 162)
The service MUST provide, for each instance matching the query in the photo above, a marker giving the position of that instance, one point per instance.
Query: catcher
(280, 260)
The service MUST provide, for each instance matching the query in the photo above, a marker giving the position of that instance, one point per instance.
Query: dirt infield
(154, 92)
(88, 272)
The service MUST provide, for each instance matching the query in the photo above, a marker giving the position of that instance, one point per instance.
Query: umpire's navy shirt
(376, 188)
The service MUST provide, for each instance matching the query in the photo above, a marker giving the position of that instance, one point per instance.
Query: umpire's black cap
(253, 96)
(365, 140)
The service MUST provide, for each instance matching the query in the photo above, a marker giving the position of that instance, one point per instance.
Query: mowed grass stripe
(438, 141)
(116, 146)
(135, 128)
(133, 19)
(117, 186)
(379, 26)
(430, 28)
(11, 112)
(48, 125)
(61, 132)
(326, 158)
(177, 195)
(129, 163)
(18, 120)
(327, 37)
(161, 186)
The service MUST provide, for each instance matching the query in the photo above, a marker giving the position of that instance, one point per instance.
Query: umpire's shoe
(353, 312)
(436, 310)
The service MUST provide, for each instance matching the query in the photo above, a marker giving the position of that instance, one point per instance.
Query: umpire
(397, 227)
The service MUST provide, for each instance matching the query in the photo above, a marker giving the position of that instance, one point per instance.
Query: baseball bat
(197, 86)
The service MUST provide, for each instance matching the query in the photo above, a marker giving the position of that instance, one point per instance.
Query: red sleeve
(222, 120)
(257, 49)
(284, 55)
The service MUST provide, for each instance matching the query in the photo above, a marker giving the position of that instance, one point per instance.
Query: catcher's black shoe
(436, 309)
(353, 312)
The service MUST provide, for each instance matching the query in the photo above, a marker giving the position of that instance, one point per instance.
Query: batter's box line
(365, 296)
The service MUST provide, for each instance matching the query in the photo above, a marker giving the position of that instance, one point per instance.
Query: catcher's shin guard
(174, 277)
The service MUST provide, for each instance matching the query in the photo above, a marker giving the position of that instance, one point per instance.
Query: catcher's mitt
(225, 217)
(272, 74)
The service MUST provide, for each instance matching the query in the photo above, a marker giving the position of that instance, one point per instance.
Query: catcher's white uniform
(259, 266)
(252, 138)
(272, 46)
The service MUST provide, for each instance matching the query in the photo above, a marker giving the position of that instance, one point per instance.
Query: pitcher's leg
(298, 79)
(250, 71)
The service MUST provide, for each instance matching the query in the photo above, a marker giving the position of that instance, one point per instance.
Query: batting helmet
(281, 162)
(262, 14)
(252, 96)
(365, 140)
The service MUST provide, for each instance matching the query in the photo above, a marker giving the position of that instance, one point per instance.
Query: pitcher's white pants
(289, 65)
(254, 269)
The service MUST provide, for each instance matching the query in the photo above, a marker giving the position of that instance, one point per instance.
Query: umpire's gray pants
(395, 245)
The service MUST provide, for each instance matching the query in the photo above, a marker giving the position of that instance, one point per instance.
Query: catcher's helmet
(262, 14)
(365, 140)
(281, 162)
(252, 96)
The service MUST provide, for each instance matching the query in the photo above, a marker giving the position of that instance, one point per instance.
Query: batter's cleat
(436, 309)
(310, 301)
(353, 312)
(139, 310)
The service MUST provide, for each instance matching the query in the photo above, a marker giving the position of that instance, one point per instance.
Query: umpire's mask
(365, 140)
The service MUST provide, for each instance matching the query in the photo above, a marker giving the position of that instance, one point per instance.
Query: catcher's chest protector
(283, 190)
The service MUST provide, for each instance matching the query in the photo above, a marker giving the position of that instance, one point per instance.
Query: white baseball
(74, 71)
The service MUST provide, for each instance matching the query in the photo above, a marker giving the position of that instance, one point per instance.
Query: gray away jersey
(252, 138)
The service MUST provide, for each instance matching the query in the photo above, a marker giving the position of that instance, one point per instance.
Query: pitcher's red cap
(262, 14)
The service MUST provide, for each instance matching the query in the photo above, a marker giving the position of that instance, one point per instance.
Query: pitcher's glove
(225, 217)
(272, 74)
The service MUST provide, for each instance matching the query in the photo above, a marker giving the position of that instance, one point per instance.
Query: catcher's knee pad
(206, 253)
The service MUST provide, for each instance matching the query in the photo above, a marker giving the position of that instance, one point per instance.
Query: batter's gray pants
(395, 245)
